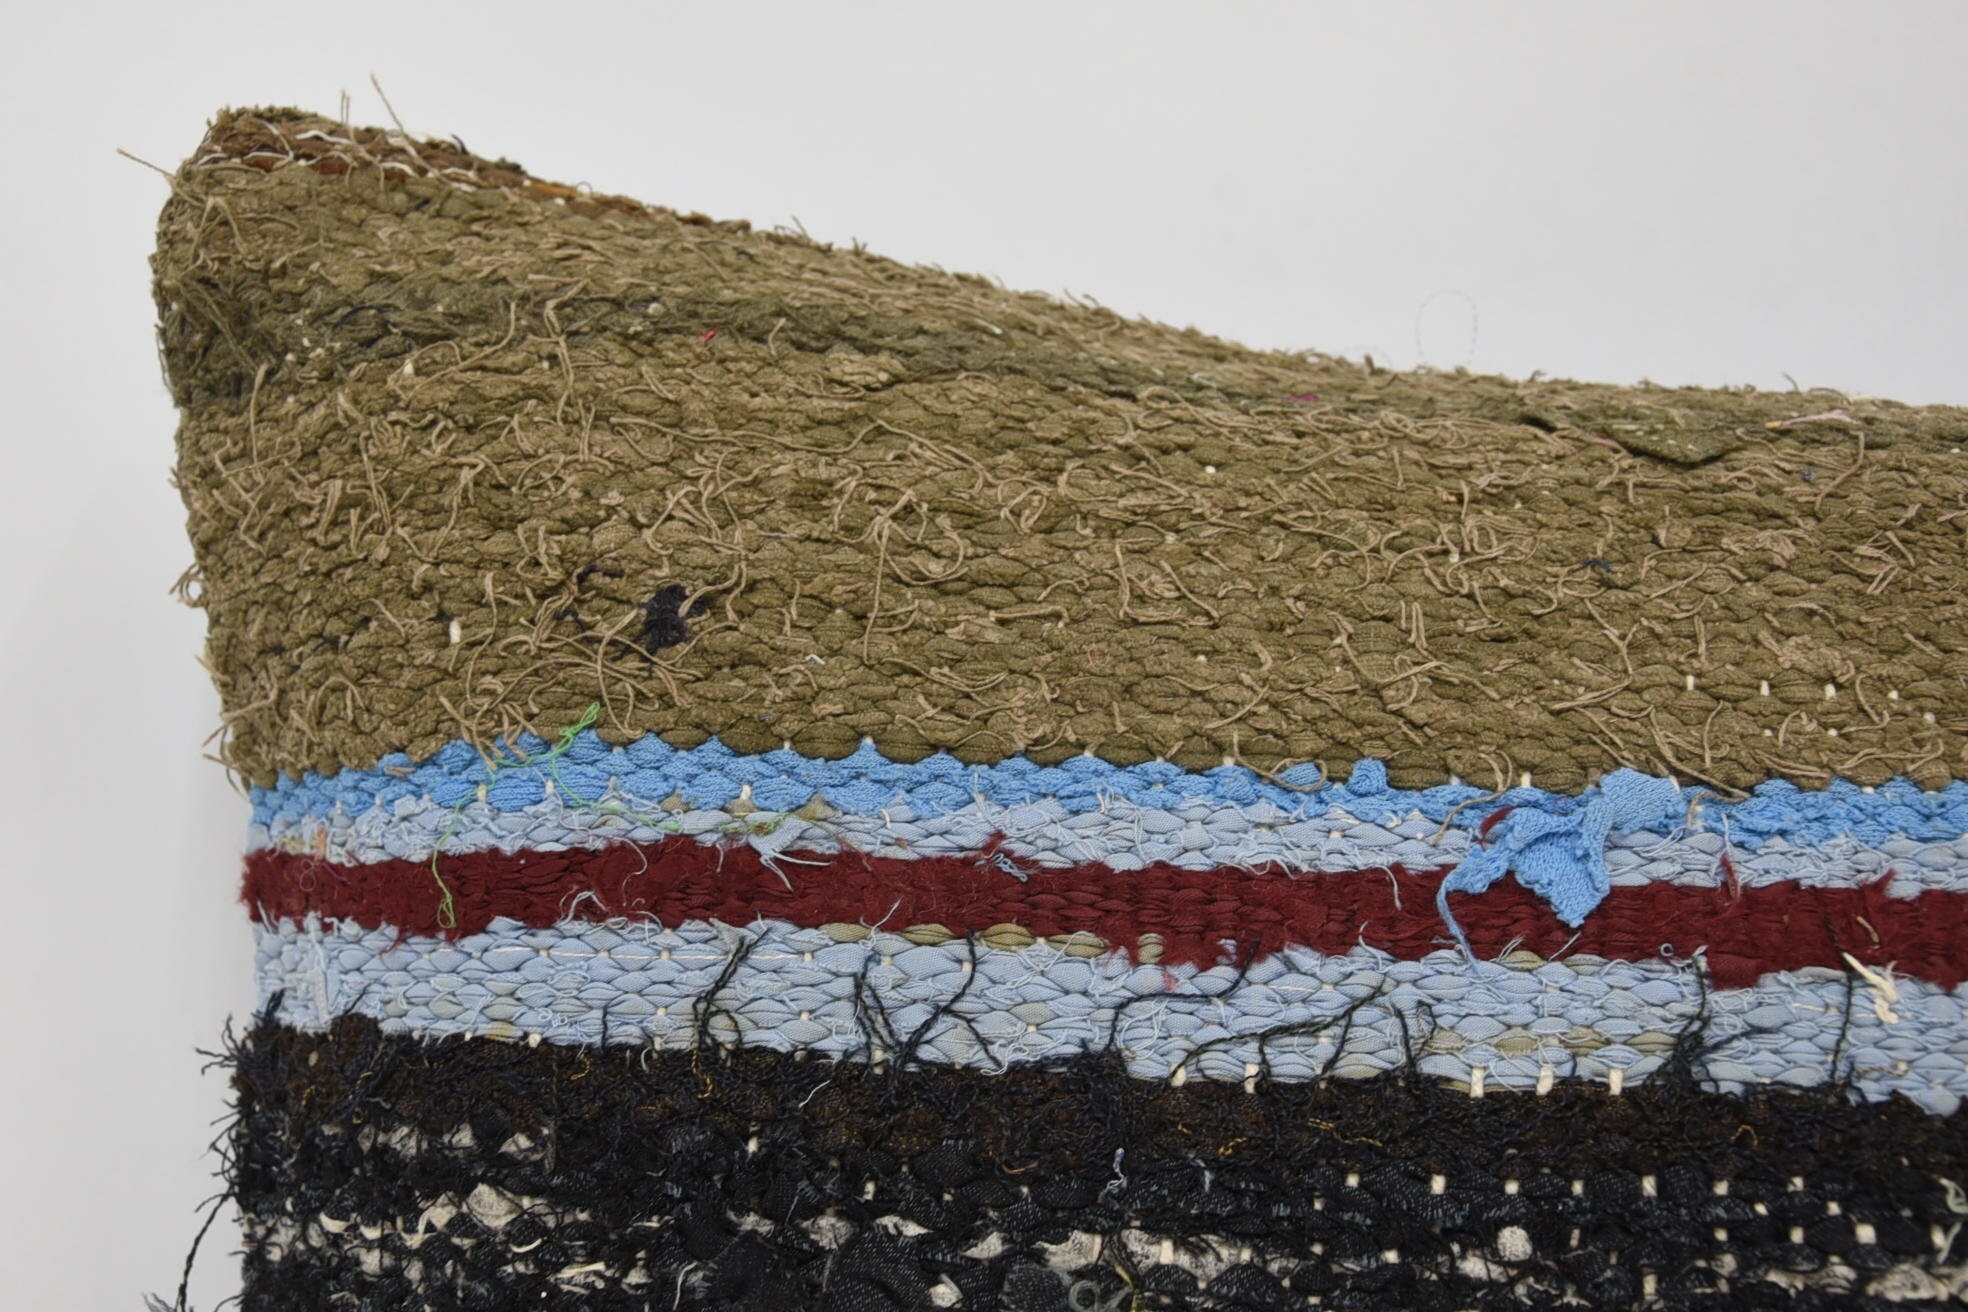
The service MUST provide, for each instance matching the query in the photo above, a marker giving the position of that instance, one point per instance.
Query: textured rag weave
(785, 780)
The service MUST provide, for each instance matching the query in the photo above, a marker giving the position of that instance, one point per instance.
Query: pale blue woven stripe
(712, 777)
(1196, 834)
(796, 987)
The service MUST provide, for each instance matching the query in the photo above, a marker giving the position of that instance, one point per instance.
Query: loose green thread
(552, 763)
(447, 905)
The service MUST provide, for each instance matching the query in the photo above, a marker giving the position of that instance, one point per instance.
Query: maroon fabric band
(1201, 916)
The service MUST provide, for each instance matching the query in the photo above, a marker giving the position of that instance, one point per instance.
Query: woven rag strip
(1194, 834)
(430, 1174)
(1158, 913)
(1294, 1015)
(783, 780)
(500, 450)
(646, 773)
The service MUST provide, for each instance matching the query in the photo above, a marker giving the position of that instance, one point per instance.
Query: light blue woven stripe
(1198, 834)
(796, 989)
(712, 777)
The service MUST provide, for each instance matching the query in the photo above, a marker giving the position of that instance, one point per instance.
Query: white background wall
(1689, 192)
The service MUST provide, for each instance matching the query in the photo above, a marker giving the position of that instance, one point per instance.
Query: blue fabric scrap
(1561, 856)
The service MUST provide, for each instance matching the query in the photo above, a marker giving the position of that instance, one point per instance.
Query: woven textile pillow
(785, 780)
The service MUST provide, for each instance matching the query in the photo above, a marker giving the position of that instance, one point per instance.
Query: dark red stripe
(1197, 913)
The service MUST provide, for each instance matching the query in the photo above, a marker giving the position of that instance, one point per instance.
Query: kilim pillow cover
(785, 780)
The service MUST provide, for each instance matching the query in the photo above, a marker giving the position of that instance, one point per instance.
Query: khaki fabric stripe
(464, 452)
